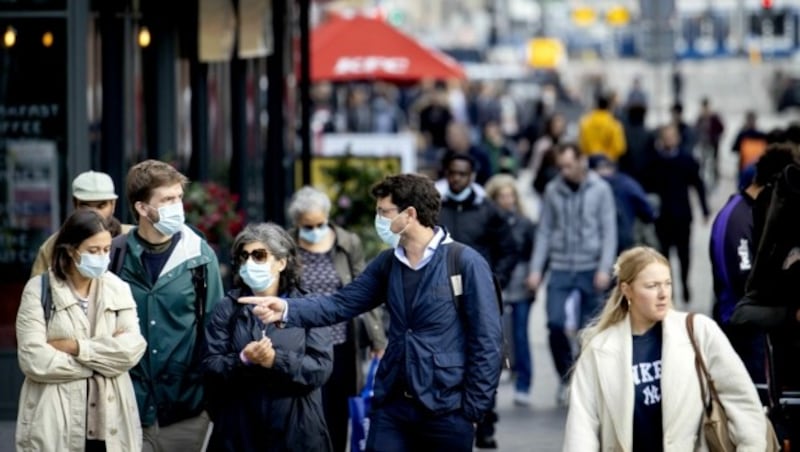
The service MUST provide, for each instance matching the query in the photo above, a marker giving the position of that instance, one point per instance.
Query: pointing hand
(268, 309)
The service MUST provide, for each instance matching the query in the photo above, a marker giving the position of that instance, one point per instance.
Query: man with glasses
(440, 370)
(174, 276)
(332, 257)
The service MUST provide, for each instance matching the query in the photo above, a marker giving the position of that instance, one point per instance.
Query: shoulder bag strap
(700, 366)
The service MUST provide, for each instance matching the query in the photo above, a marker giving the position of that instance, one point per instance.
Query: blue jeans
(560, 286)
(523, 361)
(403, 424)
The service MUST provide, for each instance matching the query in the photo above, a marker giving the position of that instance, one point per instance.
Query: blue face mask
(383, 226)
(458, 197)
(314, 235)
(170, 219)
(93, 265)
(257, 276)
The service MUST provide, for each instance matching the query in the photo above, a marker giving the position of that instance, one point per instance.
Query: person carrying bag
(715, 421)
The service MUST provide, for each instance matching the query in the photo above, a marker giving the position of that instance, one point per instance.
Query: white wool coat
(602, 391)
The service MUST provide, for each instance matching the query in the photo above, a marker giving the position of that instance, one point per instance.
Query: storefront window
(33, 87)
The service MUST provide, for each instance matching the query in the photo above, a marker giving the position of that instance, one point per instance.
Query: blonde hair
(628, 266)
(499, 182)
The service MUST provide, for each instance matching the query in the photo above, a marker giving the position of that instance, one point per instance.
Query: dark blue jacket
(254, 408)
(670, 176)
(732, 252)
(631, 202)
(478, 223)
(451, 360)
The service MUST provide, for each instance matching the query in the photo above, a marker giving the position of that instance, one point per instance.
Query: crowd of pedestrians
(141, 347)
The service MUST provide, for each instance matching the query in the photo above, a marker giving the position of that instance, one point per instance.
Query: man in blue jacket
(441, 367)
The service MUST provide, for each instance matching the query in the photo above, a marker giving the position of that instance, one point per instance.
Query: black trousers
(676, 234)
(340, 386)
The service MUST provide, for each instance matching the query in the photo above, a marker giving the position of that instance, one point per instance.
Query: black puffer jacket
(476, 222)
(254, 408)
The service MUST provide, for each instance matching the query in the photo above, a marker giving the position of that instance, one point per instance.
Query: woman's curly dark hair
(279, 244)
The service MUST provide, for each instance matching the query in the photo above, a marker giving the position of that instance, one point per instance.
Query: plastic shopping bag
(359, 411)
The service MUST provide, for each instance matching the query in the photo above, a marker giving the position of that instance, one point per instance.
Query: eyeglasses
(309, 227)
(260, 256)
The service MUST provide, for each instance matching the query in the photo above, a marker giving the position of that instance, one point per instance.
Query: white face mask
(93, 265)
(383, 226)
(258, 277)
(170, 219)
(314, 235)
(458, 197)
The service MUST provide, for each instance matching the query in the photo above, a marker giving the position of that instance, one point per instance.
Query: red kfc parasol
(362, 48)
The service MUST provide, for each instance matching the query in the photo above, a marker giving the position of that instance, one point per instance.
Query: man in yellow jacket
(601, 133)
(90, 190)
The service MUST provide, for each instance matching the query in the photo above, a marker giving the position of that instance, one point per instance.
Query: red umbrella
(362, 48)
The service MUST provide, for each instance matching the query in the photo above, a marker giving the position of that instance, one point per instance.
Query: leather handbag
(715, 421)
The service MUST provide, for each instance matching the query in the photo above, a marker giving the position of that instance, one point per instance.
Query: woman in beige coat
(634, 386)
(77, 394)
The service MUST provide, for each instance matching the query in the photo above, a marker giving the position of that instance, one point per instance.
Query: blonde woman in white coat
(634, 386)
(77, 393)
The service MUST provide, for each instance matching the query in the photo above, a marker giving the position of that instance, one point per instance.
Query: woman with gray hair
(332, 257)
(263, 382)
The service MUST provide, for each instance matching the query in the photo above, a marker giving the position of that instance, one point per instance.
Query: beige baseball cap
(93, 186)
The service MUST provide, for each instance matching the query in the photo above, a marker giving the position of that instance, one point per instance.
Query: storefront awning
(362, 48)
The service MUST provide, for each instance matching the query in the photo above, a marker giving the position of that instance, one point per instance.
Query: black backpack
(454, 274)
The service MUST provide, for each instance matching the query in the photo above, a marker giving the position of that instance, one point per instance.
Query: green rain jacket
(168, 381)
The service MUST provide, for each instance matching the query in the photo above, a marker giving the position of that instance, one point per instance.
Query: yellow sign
(583, 16)
(320, 167)
(545, 53)
(618, 16)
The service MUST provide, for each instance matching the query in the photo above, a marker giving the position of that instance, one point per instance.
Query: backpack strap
(119, 246)
(201, 292)
(454, 272)
(457, 288)
(46, 298)
(456, 282)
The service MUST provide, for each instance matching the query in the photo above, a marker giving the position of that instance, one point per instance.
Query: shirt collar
(440, 237)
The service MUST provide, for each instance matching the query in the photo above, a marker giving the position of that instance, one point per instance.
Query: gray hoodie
(578, 229)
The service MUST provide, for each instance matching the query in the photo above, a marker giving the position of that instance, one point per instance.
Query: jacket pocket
(448, 370)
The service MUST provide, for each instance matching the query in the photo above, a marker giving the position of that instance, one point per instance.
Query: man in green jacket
(174, 277)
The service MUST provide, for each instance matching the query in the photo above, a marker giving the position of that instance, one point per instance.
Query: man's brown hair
(409, 190)
(146, 176)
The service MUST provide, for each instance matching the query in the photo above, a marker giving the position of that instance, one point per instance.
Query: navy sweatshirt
(732, 252)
